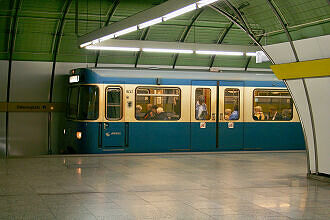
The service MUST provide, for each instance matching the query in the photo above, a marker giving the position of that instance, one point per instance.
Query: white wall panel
(28, 135)
(281, 53)
(298, 93)
(313, 48)
(3, 80)
(28, 132)
(30, 81)
(319, 91)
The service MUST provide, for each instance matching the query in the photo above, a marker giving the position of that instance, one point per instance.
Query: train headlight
(79, 135)
(64, 131)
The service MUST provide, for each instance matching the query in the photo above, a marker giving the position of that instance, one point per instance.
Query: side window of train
(232, 104)
(203, 104)
(272, 105)
(114, 103)
(157, 103)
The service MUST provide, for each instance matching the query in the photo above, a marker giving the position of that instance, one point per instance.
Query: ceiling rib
(284, 26)
(233, 19)
(110, 13)
(57, 40)
(239, 15)
(143, 37)
(220, 40)
(186, 33)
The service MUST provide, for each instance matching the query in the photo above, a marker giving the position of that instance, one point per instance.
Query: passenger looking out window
(202, 104)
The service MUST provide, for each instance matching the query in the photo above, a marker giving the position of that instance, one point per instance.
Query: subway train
(153, 110)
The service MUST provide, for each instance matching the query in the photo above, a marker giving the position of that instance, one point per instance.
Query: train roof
(172, 77)
(184, 74)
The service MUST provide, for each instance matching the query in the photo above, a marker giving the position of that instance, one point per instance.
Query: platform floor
(206, 186)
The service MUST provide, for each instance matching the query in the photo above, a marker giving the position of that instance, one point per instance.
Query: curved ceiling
(41, 30)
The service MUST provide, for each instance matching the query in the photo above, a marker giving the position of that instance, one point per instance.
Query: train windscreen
(83, 103)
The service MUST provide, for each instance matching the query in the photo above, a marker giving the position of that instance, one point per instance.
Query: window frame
(155, 95)
(291, 103)
(210, 113)
(121, 102)
(239, 103)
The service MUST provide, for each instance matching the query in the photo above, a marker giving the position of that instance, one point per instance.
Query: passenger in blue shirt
(235, 114)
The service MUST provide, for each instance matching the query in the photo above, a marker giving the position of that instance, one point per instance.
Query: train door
(114, 131)
(203, 115)
(231, 109)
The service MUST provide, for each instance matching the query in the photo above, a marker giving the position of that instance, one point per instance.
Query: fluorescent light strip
(160, 50)
(251, 54)
(133, 49)
(202, 3)
(179, 12)
(166, 17)
(210, 52)
(126, 31)
(150, 23)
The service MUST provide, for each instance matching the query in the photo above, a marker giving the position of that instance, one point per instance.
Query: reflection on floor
(206, 186)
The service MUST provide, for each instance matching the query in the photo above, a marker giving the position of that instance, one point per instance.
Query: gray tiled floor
(191, 186)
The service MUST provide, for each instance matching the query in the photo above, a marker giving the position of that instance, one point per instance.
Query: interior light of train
(166, 17)
(250, 54)
(78, 135)
(160, 50)
(74, 79)
(150, 23)
(211, 52)
(180, 11)
(113, 48)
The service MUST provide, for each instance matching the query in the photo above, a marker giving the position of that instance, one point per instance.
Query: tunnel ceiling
(36, 30)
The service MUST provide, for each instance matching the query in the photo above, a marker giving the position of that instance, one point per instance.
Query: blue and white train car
(139, 110)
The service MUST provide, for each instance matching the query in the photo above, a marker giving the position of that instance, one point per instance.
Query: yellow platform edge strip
(313, 68)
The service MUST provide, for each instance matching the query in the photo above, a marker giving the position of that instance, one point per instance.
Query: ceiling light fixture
(151, 22)
(161, 50)
(133, 49)
(210, 52)
(251, 54)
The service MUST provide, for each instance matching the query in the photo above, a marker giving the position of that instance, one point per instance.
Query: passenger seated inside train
(227, 113)
(201, 108)
(161, 115)
(286, 114)
(274, 115)
(234, 115)
(151, 114)
(258, 114)
(138, 112)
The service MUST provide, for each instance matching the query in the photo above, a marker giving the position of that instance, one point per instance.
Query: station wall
(30, 82)
(318, 91)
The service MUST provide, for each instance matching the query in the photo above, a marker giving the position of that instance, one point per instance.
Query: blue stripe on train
(166, 137)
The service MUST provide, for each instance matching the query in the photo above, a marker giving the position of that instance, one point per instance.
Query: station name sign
(31, 107)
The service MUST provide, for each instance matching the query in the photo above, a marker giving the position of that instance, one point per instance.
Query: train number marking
(129, 91)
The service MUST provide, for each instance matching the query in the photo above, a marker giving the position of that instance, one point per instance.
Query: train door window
(203, 104)
(114, 103)
(272, 105)
(157, 103)
(73, 102)
(232, 104)
(88, 105)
